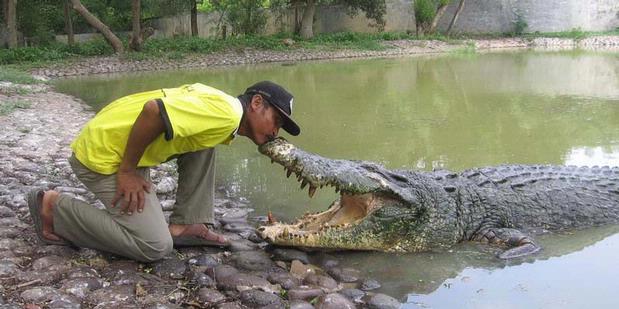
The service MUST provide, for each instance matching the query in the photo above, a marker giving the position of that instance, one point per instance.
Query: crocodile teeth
(312, 191)
(288, 173)
(303, 184)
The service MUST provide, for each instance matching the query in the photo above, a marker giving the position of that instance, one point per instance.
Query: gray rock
(63, 251)
(300, 304)
(284, 279)
(256, 298)
(334, 301)
(234, 281)
(120, 295)
(240, 245)
(288, 255)
(382, 301)
(10, 244)
(253, 260)
(9, 232)
(162, 306)
(238, 227)
(6, 212)
(80, 287)
(83, 272)
(204, 260)
(51, 263)
(231, 305)
(166, 185)
(304, 293)
(344, 274)
(8, 269)
(40, 294)
(370, 284)
(202, 280)
(209, 296)
(355, 295)
(221, 271)
(64, 302)
(170, 269)
(324, 282)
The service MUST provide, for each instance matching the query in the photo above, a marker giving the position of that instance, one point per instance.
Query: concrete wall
(478, 16)
(482, 16)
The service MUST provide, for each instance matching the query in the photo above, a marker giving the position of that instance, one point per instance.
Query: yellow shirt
(196, 117)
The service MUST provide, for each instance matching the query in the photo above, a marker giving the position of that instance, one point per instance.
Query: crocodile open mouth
(343, 214)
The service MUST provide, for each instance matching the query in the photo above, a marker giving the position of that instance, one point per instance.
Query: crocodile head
(378, 209)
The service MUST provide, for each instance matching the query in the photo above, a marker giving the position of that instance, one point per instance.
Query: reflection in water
(590, 156)
(453, 112)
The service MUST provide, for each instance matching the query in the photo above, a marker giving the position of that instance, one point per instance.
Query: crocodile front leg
(519, 244)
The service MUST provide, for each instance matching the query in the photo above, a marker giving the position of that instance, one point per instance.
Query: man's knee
(157, 249)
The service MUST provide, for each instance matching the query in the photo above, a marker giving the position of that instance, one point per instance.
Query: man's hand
(130, 187)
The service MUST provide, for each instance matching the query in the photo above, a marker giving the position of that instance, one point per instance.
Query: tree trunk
(439, 13)
(307, 21)
(11, 23)
(136, 33)
(92, 20)
(68, 23)
(455, 18)
(194, 18)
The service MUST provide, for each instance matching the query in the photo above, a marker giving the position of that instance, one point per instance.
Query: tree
(194, 17)
(109, 36)
(428, 13)
(136, 34)
(374, 9)
(10, 18)
(453, 20)
(68, 23)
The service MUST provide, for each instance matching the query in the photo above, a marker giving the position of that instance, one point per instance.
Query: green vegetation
(10, 106)
(16, 76)
(576, 34)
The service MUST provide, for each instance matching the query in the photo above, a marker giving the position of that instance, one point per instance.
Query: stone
(304, 293)
(80, 287)
(243, 281)
(253, 260)
(321, 281)
(209, 296)
(256, 298)
(300, 304)
(240, 245)
(204, 260)
(119, 295)
(334, 301)
(39, 294)
(202, 280)
(382, 301)
(300, 270)
(83, 272)
(162, 306)
(231, 305)
(10, 244)
(290, 255)
(8, 269)
(6, 212)
(166, 185)
(370, 284)
(221, 271)
(238, 227)
(51, 263)
(355, 295)
(284, 279)
(344, 274)
(170, 269)
(64, 302)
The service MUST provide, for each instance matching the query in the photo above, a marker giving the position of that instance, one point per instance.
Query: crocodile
(414, 211)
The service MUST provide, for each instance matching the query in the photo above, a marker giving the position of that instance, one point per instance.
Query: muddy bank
(101, 65)
(33, 151)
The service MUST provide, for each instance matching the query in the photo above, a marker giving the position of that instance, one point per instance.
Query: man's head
(268, 108)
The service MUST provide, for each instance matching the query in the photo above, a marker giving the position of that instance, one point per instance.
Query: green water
(453, 112)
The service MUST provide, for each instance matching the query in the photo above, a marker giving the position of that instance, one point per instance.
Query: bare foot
(47, 215)
(197, 229)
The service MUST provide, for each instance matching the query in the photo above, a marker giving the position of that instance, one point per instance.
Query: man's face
(263, 121)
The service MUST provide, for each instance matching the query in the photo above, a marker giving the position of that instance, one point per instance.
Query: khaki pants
(142, 236)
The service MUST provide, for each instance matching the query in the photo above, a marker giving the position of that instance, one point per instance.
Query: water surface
(454, 112)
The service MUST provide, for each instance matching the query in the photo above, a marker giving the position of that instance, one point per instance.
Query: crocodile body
(412, 211)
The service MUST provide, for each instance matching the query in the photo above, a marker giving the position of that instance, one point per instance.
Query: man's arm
(131, 186)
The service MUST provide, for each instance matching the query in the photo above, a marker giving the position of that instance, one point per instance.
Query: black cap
(281, 99)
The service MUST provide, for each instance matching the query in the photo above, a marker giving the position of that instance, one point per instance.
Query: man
(114, 151)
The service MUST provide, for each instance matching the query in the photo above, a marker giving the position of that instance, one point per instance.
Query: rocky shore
(38, 125)
(100, 65)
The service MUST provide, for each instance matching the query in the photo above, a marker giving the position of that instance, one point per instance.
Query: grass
(10, 106)
(16, 76)
(180, 47)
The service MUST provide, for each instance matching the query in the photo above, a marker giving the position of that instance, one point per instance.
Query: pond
(455, 112)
